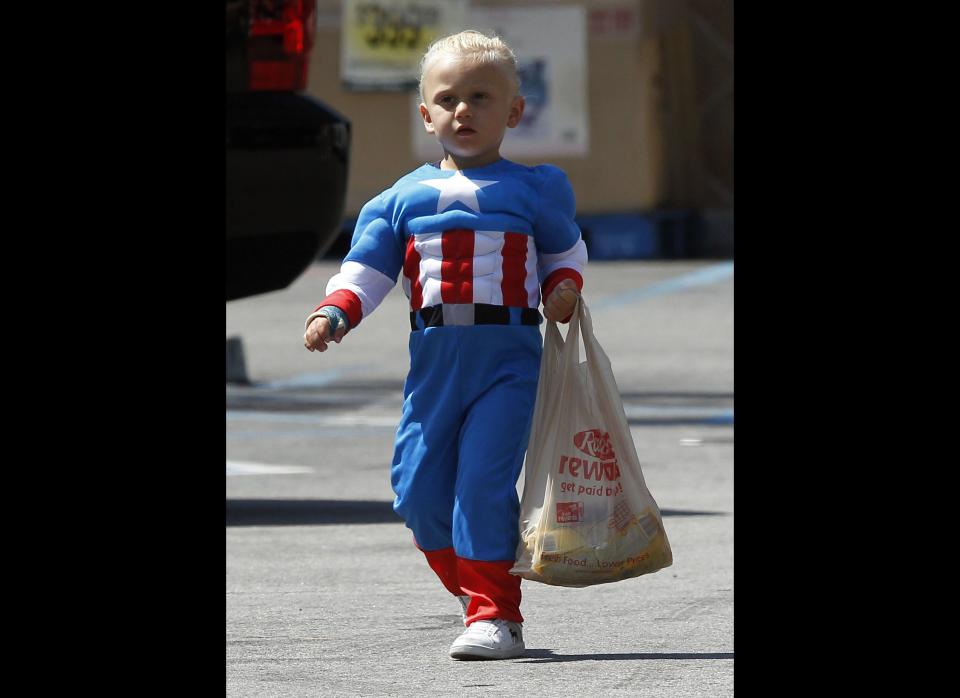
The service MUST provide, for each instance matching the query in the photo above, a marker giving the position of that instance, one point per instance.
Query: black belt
(460, 314)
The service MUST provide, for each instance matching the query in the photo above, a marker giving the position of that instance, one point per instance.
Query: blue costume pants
(468, 404)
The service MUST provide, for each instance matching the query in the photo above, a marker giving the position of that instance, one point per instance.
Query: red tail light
(278, 48)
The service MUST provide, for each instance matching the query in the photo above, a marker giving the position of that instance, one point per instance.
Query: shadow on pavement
(674, 397)
(545, 656)
(307, 512)
(316, 512)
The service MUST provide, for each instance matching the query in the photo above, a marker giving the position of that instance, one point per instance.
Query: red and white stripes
(466, 266)
(459, 266)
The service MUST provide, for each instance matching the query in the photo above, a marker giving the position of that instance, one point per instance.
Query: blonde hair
(475, 46)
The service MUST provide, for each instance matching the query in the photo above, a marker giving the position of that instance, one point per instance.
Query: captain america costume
(477, 249)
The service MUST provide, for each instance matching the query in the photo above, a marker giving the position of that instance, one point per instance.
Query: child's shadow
(545, 656)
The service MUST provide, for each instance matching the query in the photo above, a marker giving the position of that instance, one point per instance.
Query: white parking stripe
(245, 468)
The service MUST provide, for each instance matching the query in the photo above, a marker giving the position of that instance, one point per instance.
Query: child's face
(469, 107)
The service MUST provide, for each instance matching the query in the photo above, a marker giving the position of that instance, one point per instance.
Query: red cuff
(444, 563)
(555, 278)
(348, 302)
(493, 591)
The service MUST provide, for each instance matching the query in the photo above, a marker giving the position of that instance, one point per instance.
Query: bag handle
(570, 356)
(595, 353)
(547, 390)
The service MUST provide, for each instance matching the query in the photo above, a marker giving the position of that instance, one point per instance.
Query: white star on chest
(458, 188)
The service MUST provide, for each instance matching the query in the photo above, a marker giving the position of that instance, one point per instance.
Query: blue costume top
(493, 235)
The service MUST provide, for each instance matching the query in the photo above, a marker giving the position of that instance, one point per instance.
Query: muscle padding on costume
(531, 282)
(429, 244)
(370, 285)
(574, 258)
(488, 267)
(430, 248)
(487, 264)
(431, 291)
(430, 268)
(487, 242)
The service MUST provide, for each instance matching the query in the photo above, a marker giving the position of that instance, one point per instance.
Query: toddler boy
(478, 239)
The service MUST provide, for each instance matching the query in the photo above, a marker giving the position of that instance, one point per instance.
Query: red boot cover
(444, 563)
(494, 592)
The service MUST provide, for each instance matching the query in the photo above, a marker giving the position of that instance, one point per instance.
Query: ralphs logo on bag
(602, 464)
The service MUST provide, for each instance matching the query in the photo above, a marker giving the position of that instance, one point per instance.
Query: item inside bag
(579, 554)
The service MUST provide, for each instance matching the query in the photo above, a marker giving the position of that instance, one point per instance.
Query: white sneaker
(489, 639)
(464, 601)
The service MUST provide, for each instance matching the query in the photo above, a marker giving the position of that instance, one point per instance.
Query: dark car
(287, 152)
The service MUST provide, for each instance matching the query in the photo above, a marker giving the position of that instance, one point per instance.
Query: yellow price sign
(383, 40)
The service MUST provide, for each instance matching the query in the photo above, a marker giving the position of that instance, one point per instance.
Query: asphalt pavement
(326, 595)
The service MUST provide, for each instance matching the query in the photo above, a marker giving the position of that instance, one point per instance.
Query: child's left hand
(563, 299)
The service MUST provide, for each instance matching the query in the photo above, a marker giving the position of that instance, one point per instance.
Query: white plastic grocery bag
(586, 515)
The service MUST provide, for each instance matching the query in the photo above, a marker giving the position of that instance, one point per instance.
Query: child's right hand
(318, 334)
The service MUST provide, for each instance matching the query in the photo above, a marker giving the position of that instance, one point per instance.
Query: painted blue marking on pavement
(720, 419)
(702, 277)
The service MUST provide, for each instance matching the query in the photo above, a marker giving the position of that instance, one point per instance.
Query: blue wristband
(336, 317)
